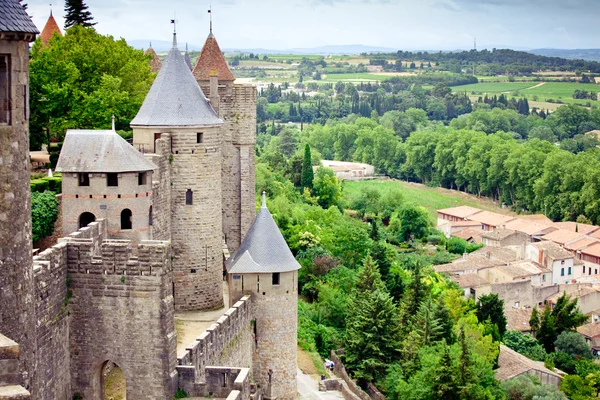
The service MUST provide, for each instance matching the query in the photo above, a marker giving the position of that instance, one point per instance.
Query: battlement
(227, 343)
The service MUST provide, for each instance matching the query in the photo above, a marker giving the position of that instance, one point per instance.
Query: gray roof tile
(264, 249)
(175, 98)
(14, 18)
(100, 151)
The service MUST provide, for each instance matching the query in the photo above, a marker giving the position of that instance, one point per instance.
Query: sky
(397, 24)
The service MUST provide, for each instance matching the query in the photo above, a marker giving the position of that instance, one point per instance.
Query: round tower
(17, 297)
(265, 267)
(177, 110)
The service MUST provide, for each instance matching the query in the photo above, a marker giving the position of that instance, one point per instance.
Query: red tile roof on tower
(155, 63)
(211, 59)
(49, 30)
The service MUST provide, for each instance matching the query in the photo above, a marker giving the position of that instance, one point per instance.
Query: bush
(44, 211)
(54, 183)
(39, 185)
(457, 245)
(54, 160)
(524, 344)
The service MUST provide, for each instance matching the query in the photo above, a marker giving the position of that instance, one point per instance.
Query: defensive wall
(219, 360)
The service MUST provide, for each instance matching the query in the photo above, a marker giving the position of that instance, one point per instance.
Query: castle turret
(50, 29)
(187, 58)
(236, 105)
(265, 267)
(155, 63)
(17, 312)
(104, 177)
(177, 111)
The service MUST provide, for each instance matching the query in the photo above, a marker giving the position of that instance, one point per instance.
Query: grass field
(432, 199)
(359, 77)
(493, 87)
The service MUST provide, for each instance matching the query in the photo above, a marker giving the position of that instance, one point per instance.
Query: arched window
(126, 219)
(150, 216)
(189, 197)
(85, 219)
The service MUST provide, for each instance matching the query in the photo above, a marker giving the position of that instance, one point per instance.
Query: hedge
(44, 211)
(41, 185)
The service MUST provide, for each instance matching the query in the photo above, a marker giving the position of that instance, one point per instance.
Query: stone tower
(17, 312)
(236, 105)
(265, 267)
(113, 183)
(177, 109)
(50, 29)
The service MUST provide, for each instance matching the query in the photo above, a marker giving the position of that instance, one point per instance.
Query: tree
(327, 188)
(77, 13)
(288, 141)
(577, 388)
(307, 169)
(372, 327)
(414, 222)
(574, 344)
(490, 307)
(44, 211)
(534, 320)
(446, 385)
(83, 79)
(524, 344)
(529, 387)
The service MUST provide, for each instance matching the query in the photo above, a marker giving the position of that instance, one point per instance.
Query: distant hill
(576, 54)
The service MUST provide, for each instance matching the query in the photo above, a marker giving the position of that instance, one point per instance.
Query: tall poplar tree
(307, 170)
(77, 13)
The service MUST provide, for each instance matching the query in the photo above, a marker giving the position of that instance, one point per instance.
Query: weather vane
(210, 14)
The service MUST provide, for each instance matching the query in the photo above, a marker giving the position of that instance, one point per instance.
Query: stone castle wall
(161, 189)
(17, 308)
(227, 343)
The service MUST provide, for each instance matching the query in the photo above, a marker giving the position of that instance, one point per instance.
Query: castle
(147, 232)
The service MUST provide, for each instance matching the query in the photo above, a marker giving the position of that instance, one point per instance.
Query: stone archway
(85, 219)
(112, 382)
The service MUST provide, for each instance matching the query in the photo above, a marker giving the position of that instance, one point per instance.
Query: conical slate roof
(175, 99)
(100, 151)
(211, 59)
(187, 58)
(50, 28)
(14, 18)
(264, 249)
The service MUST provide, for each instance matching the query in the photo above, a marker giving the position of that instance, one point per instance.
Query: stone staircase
(10, 375)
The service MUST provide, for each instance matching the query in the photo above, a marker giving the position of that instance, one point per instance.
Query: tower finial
(264, 200)
(174, 33)
(150, 44)
(113, 123)
(50, 9)
(210, 12)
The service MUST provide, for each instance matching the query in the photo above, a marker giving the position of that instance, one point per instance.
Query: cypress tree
(77, 13)
(307, 170)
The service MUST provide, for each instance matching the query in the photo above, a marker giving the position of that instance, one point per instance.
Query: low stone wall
(221, 356)
(340, 386)
(340, 371)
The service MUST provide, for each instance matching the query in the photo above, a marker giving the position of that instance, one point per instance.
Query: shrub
(39, 185)
(44, 211)
(457, 245)
(54, 183)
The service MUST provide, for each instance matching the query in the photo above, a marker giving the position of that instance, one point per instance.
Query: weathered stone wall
(161, 190)
(122, 311)
(107, 202)
(17, 312)
(227, 343)
(275, 309)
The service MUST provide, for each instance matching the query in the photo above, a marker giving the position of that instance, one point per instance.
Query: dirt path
(536, 86)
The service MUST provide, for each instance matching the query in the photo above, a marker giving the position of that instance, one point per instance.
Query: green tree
(564, 316)
(414, 222)
(77, 13)
(307, 169)
(288, 141)
(327, 188)
(372, 328)
(490, 307)
(524, 344)
(446, 385)
(534, 320)
(83, 79)
(574, 344)
(428, 328)
(577, 388)
(44, 211)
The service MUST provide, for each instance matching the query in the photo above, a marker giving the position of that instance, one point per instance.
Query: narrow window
(199, 137)
(112, 179)
(25, 102)
(84, 179)
(562, 272)
(5, 106)
(544, 278)
(584, 269)
(126, 219)
(156, 137)
(141, 178)
(189, 197)
(275, 278)
(569, 273)
(150, 216)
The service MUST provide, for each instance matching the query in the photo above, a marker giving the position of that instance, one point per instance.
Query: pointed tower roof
(188, 60)
(211, 59)
(155, 63)
(175, 98)
(264, 249)
(50, 29)
(15, 18)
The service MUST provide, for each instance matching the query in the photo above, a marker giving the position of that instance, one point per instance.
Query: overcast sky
(398, 24)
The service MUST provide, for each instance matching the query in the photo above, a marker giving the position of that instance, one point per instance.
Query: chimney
(488, 254)
(214, 90)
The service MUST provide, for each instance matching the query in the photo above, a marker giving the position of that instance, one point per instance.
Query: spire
(113, 123)
(150, 45)
(211, 59)
(174, 33)
(264, 200)
(210, 16)
(50, 29)
(187, 58)
(50, 9)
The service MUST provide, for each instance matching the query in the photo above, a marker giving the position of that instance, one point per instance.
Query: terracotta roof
(539, 218)
(529, 227)
(590, 330)
(562, 236)
(467, 264)
(582, 291)
(518, 319)
(593, 250)
(581, 243)
(211, 59)
(595, 234)
(155, 63)
(491, 218)
(469, 280)
(503, 254)
(576, 227)
(552, 250)
(459, 212)
(498, 234)
(520, 270)
(461, 223)
(50, 29)
(512, 364)
(469, 233)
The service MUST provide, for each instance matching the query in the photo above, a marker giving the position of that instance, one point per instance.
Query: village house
(490, 220)
(587, 295)
(473, 285)
(555, 258)
(562, 236)
(449, 228)
(470, 235)
(455, 214)
(591, 333)
(534, 230)
(585, 229)
(520, 271)
(512, 364)
(517, 319)
(348, 170)
(504, 238)
(591, 259)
